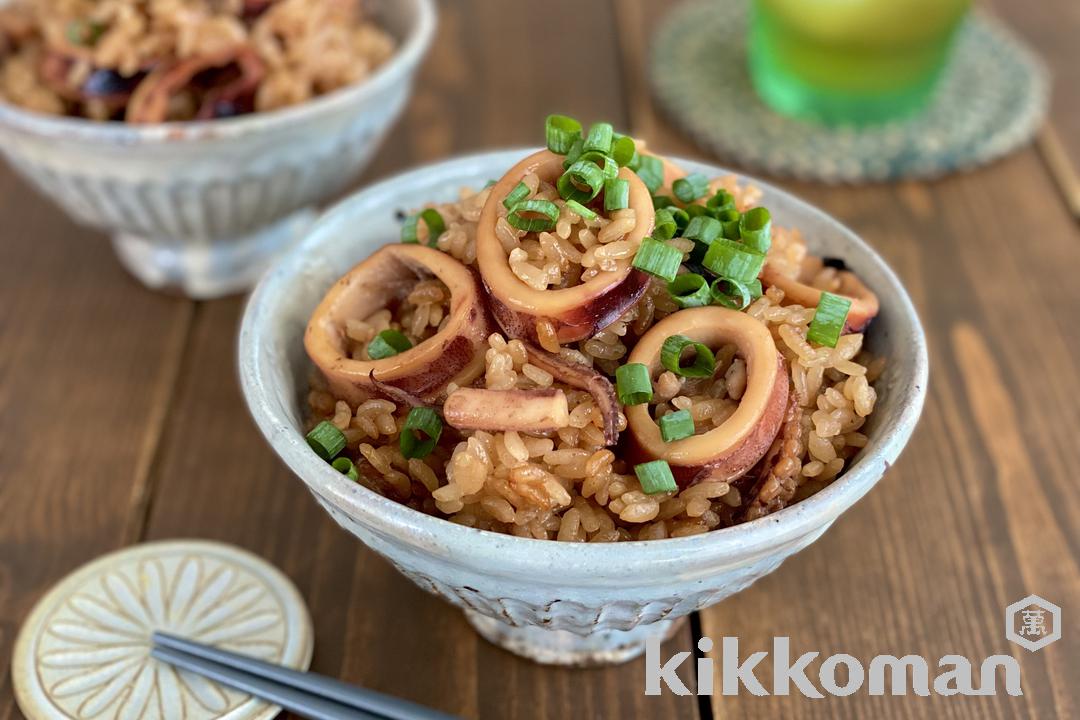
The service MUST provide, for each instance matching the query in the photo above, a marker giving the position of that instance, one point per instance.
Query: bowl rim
(409, 53)
(502, 554)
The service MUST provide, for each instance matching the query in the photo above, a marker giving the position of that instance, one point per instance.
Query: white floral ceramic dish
(202, 207)
(557, 602)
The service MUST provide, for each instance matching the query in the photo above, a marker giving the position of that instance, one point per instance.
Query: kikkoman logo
(1032, 623)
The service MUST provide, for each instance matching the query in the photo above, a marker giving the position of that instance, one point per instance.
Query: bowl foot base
(560, 647)
(210, 269)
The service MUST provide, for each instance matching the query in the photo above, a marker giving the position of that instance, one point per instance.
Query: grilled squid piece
(454, 354)
(575, 312)
(583, 378)
(537, 412)
(733, 448)
(864, 303)
(233, 76)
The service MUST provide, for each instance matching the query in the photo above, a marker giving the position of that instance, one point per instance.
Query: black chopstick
(309, 694)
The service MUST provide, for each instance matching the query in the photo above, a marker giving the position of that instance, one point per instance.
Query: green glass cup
(850, 62)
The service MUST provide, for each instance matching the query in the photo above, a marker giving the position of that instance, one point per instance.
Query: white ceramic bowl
(202, 207)
(551, 601)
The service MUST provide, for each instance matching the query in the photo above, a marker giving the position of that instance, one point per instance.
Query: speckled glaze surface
(202, 207)
(555, 602)
(84, 651)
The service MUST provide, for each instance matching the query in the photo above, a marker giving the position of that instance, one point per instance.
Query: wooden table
(121, 419)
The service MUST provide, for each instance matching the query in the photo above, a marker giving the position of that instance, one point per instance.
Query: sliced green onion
(664, 226)
(574, 153)
(722, 200)
(547, 211)
(84, 32)
(345, 466)
(731, 294)
(655, 477)
(520, 192)
(582, 181)
(599, 138)
(662, 201)
(682, 218)
(420, 433)
(755, 229)
(561, 133)
(694, 211)
(616, 194)
(689, 290)
(633, 384)
(676, 425)
(326, 440)
(586, 214)
(657, 258)
(730, 220)
(733, 260)
(755, 289)
(829, 318)
(651, 172)
(609, 167)
(623, 149)
(703, 229)
(387, 344)
(690, 188)
(431, 218)
(671, 357)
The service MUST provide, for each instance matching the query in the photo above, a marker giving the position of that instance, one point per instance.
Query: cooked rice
(306, 47)
(570, 486)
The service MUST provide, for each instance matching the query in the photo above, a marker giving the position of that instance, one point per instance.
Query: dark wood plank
(488, 83)
(983, 507)
(1051, 28)
(88, 359)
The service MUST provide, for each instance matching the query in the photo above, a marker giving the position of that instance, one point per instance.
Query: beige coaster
(84, 650)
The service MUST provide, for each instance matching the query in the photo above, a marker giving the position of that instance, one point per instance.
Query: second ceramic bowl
(550, 601)
(202, 207)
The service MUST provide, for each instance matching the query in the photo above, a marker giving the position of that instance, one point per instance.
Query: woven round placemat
(992, 98)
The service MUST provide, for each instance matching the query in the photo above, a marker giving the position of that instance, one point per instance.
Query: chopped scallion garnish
(671, 357)
(623, 150)
(431, 218)
(519, 193)
(561, 132)
(633, 384)
(731, 294)
(755, 229)
(829, 318)
(534, 215)
(387, 344)
(574, 153)
(651, 171)
(664, 226)
(421, 432)
(345, 466)
(722, 200)
(326, 440)
(599, 138)
(689, 290)
(659, 259)
(730, 220)
(655, 477)
(703, 229)
(616, 194)
(690, 188)
(733, 260)
(582, 181)
(583, 212)
(662, 201)
(609, 167)
(676, 425)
